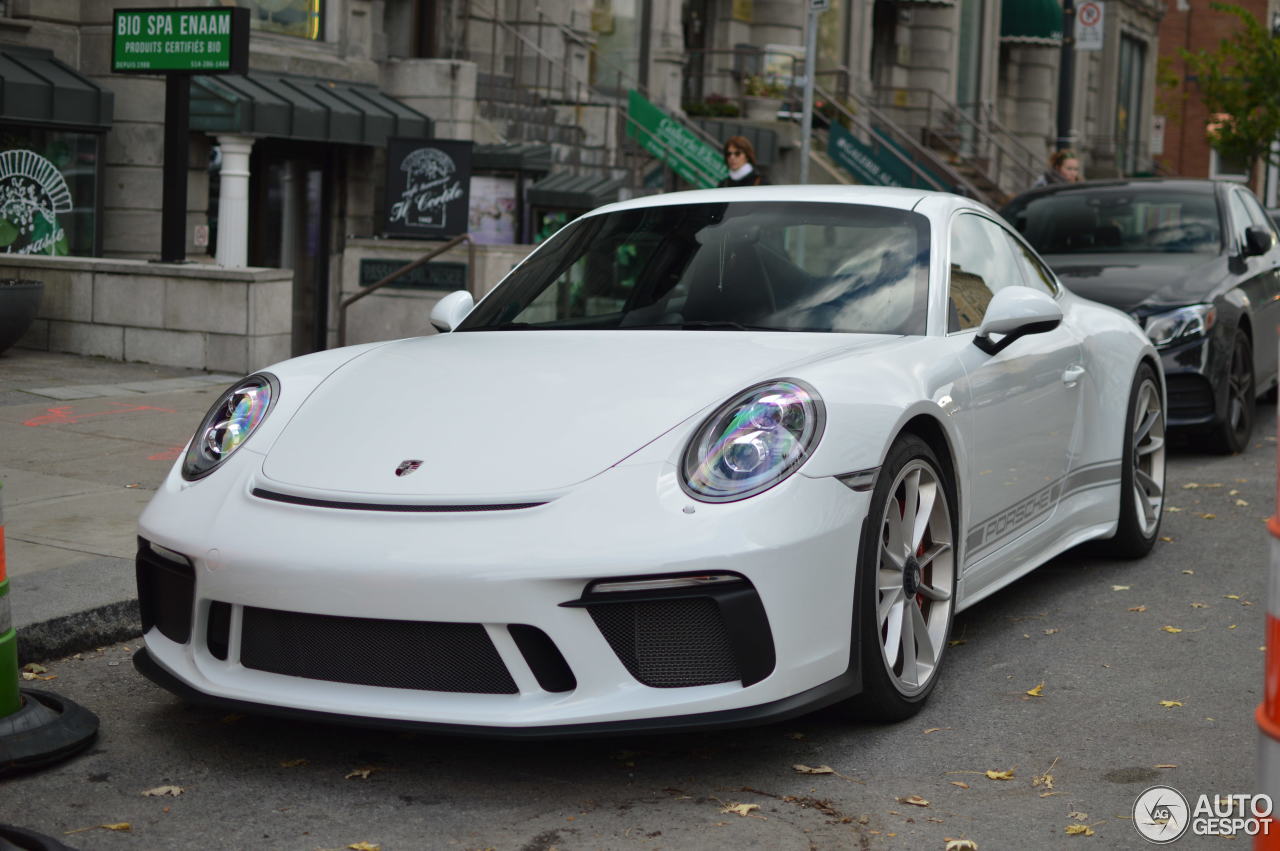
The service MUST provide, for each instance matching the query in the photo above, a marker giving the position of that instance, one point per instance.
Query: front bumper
(342, 613)
(1195, 380)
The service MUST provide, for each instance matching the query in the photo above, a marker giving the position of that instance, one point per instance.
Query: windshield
(1118, 219)
(763, 265)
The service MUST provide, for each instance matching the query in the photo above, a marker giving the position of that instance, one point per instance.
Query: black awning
(35, 88)
(565, 191)
(512, 156)
(306, 108)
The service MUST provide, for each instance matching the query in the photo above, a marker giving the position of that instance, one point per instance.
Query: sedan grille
(669, 643)
(452, 657)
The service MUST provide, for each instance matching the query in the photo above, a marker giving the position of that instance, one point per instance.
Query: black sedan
(1195, 262)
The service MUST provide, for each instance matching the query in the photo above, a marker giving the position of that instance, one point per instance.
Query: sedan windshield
(1132, 218)
(763, 265)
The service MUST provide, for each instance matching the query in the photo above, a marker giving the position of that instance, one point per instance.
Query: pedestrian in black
(740, 157)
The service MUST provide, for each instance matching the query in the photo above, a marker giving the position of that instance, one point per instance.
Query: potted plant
(762, 98)
(19, 303)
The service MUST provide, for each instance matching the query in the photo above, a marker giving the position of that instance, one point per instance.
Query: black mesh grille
(166, 591)
(1190, 397)
(669, 643)
(457, 657)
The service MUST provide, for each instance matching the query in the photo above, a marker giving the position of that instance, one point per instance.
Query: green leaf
(8, 233)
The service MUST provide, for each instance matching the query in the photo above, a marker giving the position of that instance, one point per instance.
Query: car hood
(497, 416)
(1139, 283)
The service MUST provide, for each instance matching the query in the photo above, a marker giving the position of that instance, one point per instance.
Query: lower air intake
(427, 656)
(669, 643)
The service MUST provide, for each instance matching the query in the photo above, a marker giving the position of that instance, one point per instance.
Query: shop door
(289, 229)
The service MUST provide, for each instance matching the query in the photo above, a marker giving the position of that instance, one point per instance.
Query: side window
(1239, 217)
(1257, 214)
(1034, 273)
(982, 263)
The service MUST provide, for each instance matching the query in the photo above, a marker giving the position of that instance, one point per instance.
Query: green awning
(534, 157)
(35, 88)
(565, 191)
(1031, 22)
(306, 108)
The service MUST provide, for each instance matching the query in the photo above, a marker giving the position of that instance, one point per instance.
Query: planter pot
(19, 303)
(761, 108)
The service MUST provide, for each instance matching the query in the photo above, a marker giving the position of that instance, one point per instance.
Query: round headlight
(753, 441)
(229, 424)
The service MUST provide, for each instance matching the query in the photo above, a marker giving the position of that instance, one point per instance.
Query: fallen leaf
(1119, 587)
(293, 763)
(1208, 516)
(1233, 626)
(960, 844)
(1199, 605)
(914, 800)
(1038, 691)
(956, 642)
(1190, 486)
(163, 791)
(818, 769)
(999, 775)
(362, 773)
(46, 677)
(364, 846)
(1137, 608)
(1189, 572)
(1231, 596)
(1166, 765)
(1078, 816)
(960, 783)
(1172, 508)
(1169, 704)
(1166, 539)
(1168, 628)
(1232, 492)
(1241, 503)
(741, 809)
(1079, 830)
(1048, 794)
(935, 730)
(1050, 631)
(35, 668)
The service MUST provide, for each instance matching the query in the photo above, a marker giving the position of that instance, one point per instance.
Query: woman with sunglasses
(740, 157)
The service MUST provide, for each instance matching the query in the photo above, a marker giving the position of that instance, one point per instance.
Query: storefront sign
(430, 276)
(860, 160)
(32, 194)
(664, 137)
(428, 184)
(156, 41)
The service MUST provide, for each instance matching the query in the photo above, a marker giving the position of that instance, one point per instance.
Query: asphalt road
(1089, 629)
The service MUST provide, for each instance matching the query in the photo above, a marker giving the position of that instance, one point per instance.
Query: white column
(233, 201)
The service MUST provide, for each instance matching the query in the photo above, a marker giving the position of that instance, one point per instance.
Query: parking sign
(1089, 17)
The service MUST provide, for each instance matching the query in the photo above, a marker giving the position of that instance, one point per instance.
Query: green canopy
(1031, 22)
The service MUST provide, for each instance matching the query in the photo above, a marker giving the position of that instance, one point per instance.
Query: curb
(75, 633)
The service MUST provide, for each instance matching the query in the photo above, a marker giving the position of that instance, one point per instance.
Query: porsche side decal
(1005, 524)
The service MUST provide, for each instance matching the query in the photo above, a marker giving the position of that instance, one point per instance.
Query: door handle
(1072, 374)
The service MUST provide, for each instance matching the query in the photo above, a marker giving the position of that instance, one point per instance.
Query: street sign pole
(177, 124)
(810, 53)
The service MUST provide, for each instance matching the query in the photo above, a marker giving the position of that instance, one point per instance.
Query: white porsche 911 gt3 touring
(702, 459)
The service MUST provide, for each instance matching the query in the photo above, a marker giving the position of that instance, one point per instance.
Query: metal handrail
(406, 269)
(896, 138)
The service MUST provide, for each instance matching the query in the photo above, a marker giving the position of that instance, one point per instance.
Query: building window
(1225, 168)
(48, 192)
(298, 18)
(1133, 57)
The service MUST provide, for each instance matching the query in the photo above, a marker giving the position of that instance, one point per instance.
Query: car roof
(1185, 184)
(880, 196)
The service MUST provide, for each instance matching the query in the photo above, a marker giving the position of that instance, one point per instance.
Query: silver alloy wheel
(914, 577)
(1240, 391)
(1148, 446)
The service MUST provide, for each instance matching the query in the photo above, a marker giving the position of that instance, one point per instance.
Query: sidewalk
(84, 442)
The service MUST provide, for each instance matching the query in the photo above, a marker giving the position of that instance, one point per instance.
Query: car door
(1021, 411)
(1263, 289)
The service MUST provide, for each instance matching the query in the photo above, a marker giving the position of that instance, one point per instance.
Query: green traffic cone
(36, 727)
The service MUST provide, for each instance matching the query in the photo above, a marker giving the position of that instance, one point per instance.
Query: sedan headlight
(753, 441)
(1185, 323)
(229, 424)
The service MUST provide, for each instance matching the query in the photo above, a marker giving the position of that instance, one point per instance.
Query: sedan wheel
(911, 556)
(1237, 425)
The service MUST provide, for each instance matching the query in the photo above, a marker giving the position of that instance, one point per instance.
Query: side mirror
(1257, 240)
(451, 310)
(1015, 312)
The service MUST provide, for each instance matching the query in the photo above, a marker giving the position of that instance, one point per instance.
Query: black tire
(1232, 435)
(1142, 473)
(897, 681)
